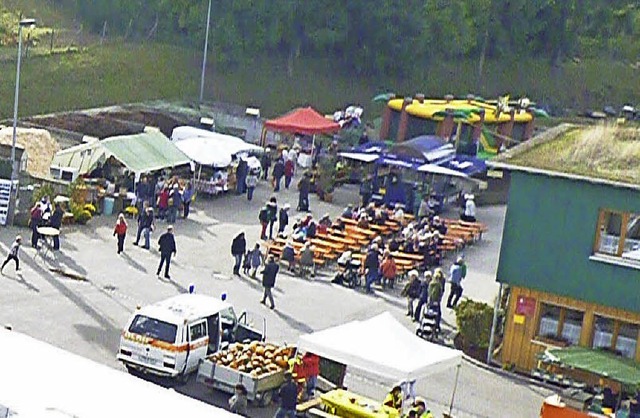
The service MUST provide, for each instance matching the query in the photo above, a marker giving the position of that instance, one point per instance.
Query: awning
(148, 151)
(140, 153)
(303, 121)
(598, 362)
(228, 143)
(382, 347)
(466, 164)
(358, 156)
(436, 169)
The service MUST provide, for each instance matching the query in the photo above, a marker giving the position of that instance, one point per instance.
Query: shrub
(474, 321)
(91, 208)
(80, 215)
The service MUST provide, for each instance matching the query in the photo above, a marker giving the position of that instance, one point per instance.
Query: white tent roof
(436, 169)
(359, 156)
(40, 380)
(383, 347)
(210, 148)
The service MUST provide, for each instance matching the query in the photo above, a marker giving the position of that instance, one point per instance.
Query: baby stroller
(429, 326)
(349, 271)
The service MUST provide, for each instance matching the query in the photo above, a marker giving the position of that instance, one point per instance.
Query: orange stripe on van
(141, 339)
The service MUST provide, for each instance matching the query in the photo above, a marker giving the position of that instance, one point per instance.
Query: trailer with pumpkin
(259, 366)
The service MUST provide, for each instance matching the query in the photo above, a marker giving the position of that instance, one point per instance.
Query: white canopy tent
(383, 347)
(360, 156)
(40, 380)
(213, 149)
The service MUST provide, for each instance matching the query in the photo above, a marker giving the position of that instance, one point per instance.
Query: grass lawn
(118, 73)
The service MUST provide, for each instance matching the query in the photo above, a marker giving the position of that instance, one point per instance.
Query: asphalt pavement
(86, 316)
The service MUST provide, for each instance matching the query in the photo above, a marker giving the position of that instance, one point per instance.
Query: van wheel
(183, 379)
(266, 399)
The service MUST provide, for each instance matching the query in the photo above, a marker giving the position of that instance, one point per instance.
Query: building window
(603, 333)
(560, 324)
(627, 340)
(616, 336)
(618, 234)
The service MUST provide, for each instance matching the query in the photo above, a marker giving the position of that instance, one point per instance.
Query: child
(121, 231)
(13, 254)
(246, 264)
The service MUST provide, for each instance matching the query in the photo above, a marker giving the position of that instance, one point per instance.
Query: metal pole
(14, 174)
(455, 387)
(204, 58)
(494, 324)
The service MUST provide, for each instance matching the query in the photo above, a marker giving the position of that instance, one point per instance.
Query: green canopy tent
(597, 362)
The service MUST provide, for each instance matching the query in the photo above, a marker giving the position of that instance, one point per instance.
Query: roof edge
(542, 138)
(550, 173)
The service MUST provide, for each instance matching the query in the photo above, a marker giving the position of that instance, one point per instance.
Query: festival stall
(220, 154)
(301, 121)
(380, 348)
(120, 160)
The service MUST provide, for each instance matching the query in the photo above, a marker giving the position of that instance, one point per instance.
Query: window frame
(561, 320)
(625, 217)
(617, 323)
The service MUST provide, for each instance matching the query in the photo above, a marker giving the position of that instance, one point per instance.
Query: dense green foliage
(474, 320)
(383, 36)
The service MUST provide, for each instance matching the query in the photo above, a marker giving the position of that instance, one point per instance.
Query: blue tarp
(418, 147)
(371, 147)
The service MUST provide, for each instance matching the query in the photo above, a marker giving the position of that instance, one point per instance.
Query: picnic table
(414, 257)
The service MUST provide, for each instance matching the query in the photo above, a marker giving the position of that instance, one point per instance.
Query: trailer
(260, 389)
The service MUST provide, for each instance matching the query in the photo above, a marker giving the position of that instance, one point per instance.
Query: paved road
(86, 317)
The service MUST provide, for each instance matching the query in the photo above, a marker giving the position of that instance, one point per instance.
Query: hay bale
(39, 146)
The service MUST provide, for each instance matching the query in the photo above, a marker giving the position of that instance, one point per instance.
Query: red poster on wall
(526, 306)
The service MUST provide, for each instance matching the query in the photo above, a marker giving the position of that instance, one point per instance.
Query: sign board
(525, 306)
(518, 319)
(5, 197)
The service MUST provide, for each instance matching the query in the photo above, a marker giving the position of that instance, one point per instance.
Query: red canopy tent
(305, 121)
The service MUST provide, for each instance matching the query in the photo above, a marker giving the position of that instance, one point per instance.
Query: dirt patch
(164, 121)
(96, 126)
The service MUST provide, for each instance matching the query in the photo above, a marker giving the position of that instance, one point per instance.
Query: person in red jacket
(289, 169)
(120, 231)
(311, 364)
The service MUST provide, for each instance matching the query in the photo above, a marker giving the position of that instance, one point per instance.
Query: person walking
(241, 176)
(251, 183)
(455, 278)
(283, 218)
(187, 196)
(147, 225)
(238, 402)
(13, 254)
(174, 204)
(238, 248)
(278, 172)
(34, 223)
(265, 162)
(255, 260)
(163, 203)
(272, 207)
(435, 290)
(167, 245)
(371, 267)
(289, 169)
(388, 269)
(424, 295)
(120, 230)
(304, 187)
(411, 291)
(288, 395)
(263, 217)
(269, 274)
(56, 222)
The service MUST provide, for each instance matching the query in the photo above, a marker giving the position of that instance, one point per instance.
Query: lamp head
(27, 23)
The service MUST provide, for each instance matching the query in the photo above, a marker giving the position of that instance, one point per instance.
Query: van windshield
(153, 328)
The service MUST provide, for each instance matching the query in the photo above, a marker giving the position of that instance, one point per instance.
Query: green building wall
(549, 233)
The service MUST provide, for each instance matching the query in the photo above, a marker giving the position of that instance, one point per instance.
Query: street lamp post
(204, 58)
(24, 23)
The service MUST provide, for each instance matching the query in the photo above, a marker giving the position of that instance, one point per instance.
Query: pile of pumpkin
(256, 358)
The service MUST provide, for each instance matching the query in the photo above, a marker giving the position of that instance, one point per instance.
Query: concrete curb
(509, 375)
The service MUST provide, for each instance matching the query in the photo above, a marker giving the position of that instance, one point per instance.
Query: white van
(169, 338)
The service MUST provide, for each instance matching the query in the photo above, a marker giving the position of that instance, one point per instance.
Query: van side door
(198, 343)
